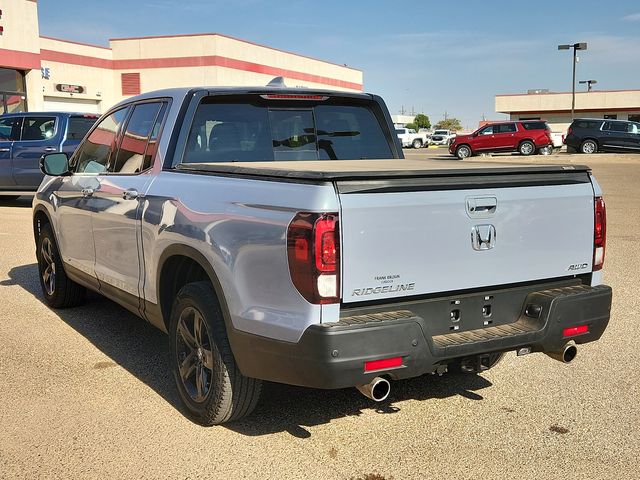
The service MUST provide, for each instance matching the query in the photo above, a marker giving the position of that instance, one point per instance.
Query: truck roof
(181, 92)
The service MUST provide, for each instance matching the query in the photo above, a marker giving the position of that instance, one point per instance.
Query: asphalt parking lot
(85, 393)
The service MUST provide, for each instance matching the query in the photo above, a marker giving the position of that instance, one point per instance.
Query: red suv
(526, 137)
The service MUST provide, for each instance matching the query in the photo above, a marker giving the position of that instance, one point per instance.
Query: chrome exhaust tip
(565, 355)
(377, 390)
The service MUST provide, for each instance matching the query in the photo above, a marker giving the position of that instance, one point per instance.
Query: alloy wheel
(49, 266)
(195, 356)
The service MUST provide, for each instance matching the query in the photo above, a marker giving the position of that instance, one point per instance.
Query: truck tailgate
(402, 238)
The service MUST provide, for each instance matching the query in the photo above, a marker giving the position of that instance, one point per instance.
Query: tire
(546, 150)
(589, 146)
(208, 380)
(417, 143)
(526, 148)
(463, 151)
(58, 290)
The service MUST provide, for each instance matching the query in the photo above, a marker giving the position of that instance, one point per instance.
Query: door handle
(87, 192)
(130, 194)
(5, 149)
(50, 149)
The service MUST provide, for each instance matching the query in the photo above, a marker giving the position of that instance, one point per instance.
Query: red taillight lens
(313, 245)
(573, 331)
(599, 233)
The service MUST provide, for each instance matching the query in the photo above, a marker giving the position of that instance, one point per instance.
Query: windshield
(273, 131)
(440, 132)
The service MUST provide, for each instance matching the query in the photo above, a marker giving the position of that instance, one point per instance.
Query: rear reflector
(382, 364)
(573, 331)
(294, 96)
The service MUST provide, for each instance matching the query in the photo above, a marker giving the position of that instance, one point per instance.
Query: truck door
(615, 134)
(117, 204)
(9, 131)
(505, 136)
(485, 139)
(75, 197)
(40, 134)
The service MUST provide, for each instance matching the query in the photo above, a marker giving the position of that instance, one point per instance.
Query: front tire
(589, 146)
(59, 291)
(463, 151)
(206, 375)
(417, 143)
(526, 148)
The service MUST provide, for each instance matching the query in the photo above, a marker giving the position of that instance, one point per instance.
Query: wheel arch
(464, 145)
(181, 264)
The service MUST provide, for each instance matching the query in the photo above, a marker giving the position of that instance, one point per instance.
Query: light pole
(589, 83)
(576, 47)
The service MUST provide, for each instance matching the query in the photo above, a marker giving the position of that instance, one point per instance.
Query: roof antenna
(277, 82)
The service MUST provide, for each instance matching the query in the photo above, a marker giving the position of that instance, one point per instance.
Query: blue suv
(25, 137)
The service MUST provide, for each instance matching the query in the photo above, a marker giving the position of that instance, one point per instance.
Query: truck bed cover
(336, 170)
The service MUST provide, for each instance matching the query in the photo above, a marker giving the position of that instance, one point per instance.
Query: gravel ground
(84, 393)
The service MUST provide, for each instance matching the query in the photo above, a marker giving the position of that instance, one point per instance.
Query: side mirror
(55, 164)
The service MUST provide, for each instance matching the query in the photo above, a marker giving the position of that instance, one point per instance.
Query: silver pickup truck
(279, 234)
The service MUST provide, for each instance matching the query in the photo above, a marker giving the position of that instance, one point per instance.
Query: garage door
(54, 104)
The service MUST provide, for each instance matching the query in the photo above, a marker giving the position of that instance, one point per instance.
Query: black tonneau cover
(376, 170)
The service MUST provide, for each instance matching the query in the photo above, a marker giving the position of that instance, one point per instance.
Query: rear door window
(133, 146)
(38, 128)
(79, 126)
(505, 128)
(255, 131)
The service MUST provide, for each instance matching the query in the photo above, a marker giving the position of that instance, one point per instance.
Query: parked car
(525, 137)
(442, 137)
(590, 135)
(410, 138)
(281, 236)
(25, 137)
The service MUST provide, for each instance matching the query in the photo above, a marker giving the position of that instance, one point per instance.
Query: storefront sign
(63, 87)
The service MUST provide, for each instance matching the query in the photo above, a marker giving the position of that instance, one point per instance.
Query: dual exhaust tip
(379, 388)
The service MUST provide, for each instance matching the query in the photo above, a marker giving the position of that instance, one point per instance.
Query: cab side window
(38, 128)
(10, 129)
(139, 139)
(94, 154)
(488, 130)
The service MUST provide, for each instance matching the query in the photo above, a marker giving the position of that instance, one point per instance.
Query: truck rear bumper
(333, 355)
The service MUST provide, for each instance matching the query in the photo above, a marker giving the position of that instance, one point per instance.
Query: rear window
(590, 124)
(257, 131)
(79, 126)
(536, 125)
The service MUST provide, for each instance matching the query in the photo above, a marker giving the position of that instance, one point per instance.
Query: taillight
(313, 248)
(599, 233)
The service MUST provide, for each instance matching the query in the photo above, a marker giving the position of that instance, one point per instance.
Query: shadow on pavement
(21, 202)
(143, 351)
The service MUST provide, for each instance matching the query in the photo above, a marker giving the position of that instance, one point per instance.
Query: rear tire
(589, 146)
(526, 148)
(59, 291)
(417, 143)
(546, 150)
(205, 371)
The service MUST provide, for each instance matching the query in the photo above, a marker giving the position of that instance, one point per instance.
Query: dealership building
(41, 73)
(555, 108)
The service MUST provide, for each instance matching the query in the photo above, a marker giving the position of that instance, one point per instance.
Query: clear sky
(424, 56)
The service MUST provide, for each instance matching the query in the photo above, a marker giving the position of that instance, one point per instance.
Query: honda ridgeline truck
(279, 234)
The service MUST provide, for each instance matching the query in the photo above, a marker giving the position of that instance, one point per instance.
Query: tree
(411, 126)
(421, 121)
(449, 124)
